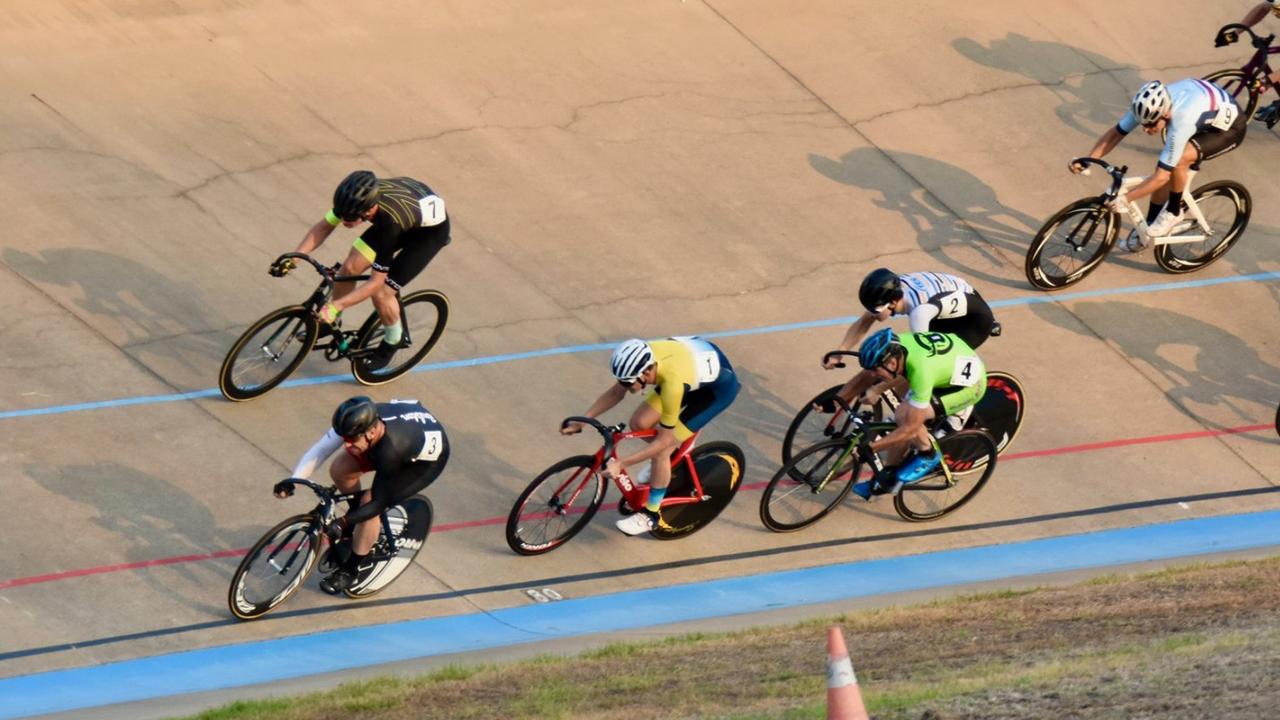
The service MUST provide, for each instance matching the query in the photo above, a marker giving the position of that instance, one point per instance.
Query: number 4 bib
(968, 369)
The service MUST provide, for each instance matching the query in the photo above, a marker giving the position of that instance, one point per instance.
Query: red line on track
(1088, 447)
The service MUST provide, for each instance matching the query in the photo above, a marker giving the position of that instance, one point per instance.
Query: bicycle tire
(1278, 419)
(1091, 214)
(720, 467)
(411, 528)
(791, 502)
(230, 384)
(970, 456)
(298, 526)
(1000, 410)
(1239, 205)
(432, 307)
(522, 520)
(809, 432)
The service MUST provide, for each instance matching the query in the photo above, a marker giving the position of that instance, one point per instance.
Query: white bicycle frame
(1140, 220)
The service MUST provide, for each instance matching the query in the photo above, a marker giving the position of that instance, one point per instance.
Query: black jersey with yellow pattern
(404, 204)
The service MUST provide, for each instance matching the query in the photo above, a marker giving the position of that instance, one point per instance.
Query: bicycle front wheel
(720, 467)
(813, 426)
(804, 490)
(1226, 206)
(970, 458)
(275, 567)
(555, 506)
(424, 315)
(267, 353)
(1071, 245)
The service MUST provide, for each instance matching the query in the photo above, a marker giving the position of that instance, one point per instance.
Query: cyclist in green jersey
(946, 378)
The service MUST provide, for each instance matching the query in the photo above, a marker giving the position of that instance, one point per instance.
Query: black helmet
(879, 288)
(355, 195)
(355, 416)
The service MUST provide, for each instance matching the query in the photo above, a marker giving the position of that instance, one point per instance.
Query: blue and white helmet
(630, 359)
(1151, 102)
(877, 347)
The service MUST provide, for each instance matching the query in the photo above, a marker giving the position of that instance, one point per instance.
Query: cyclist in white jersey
(932, 302)
(1202, 122)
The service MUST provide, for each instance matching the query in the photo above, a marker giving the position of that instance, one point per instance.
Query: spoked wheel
(808, 487)
(720, 467)
(555, 506)
(410, 522)
(1071, 245)
(812, 426)
(267, 353)
(1226, 206)
(999, 412)
(970, 455)
(275, 567)
(424, 315)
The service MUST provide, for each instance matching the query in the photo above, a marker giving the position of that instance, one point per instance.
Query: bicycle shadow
(1207, 367)
(166, 325)
(1093, 90)
(971, 223)
(149, 519)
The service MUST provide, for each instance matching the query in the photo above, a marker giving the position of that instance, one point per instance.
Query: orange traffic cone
(844, 700)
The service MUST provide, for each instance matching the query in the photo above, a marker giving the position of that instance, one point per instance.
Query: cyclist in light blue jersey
(1202, 122)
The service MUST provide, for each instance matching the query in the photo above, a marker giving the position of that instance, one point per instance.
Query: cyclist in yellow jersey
(690, 381)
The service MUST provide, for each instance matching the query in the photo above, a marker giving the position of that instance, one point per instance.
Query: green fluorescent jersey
(939, 363)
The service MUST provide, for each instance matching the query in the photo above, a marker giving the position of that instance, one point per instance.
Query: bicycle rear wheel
(811, 485)
(970, 456)
(1071, 245)
(720, 467)
(275, 567)
(555, 506)
(1226, 206)
(424, 315)
(811, 426)
(999, 412)
(267, 353)
(410, 522)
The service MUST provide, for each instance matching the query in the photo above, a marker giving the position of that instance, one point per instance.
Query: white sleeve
(318, 453)
(921, 315)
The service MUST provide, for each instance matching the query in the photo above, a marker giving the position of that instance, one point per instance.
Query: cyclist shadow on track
(147, 519)
(163, 323)
(958, 219)
(1217, 378)
(1093, 90)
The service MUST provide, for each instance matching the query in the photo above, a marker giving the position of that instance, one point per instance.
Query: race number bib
(1226, 116)
(432, 445)
(706, 363)
(432, 210)
(968, 370)
(955, 304)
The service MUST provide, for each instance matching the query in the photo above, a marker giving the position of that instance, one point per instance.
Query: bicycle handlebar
(1115, 171)
(1228, 34)
(606, 431)
(321, 268)
(839, 353)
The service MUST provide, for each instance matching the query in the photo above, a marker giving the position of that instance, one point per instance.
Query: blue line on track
(572, 349)
(282, 658)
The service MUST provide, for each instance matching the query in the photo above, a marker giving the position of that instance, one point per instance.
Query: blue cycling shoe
(918, 466)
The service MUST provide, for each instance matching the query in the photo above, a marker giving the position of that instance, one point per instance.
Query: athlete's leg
(644, 418)
(418, 249)
(355, 264)
(346, 470)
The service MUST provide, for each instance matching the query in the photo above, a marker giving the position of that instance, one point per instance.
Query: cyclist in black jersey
(405, 447)
(408, 225)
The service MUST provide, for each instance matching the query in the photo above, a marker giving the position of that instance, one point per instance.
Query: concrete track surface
(613, 169)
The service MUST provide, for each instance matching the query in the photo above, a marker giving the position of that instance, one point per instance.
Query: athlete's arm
(921, 315)
(1256, 13)
(851, 336)
(603, 404)
(912, 423)
(316, 236)
(318, 453)
(362, 292)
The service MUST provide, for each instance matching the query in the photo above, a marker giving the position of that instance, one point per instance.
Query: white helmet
(630, 359)
(1151, 102)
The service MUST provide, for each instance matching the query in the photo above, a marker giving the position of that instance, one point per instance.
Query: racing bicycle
(813, 482)
(560, 502)
(1078, 237)
(999, 412)
(273, 347)
(278, 564)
